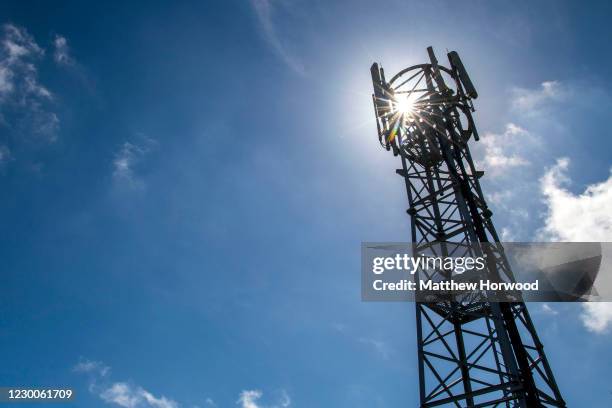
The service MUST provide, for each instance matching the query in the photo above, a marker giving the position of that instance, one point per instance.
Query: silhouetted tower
(471, 352)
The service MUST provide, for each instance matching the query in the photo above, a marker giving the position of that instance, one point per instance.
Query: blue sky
(186, 186)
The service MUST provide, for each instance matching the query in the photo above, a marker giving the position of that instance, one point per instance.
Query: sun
(404, 104)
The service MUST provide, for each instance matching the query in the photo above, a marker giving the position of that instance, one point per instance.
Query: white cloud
(127, 158)
(24, 101)
(503, 151)
(127, 396)
(121, 394)
(6, 80)
(154, 402)
(597, 316)
(507, 235)
(549, 310)
(61, 52)
(124, 161)
(264, 9)
(532, 101)
(19, 52)
(499, 197)
(584, 217)
(250, 398)
(94, 367)
(19, 43)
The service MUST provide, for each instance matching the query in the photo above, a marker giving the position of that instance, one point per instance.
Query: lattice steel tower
(471, 352)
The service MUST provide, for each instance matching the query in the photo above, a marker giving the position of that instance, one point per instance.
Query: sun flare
(404, 104)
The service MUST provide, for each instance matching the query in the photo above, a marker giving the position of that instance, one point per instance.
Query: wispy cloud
(128, 396)
(121, 394)
(511, 158)
(503, 151)
(250, 399)
(532, 102)
(507, 234)
(127, 158)
(96, 368)
(27, 107)
(264, 10)
(285, 401)
(61, 51)
(24, 102)
(547, 309)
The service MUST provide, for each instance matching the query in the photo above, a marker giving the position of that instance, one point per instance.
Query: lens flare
(404, 104)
